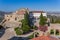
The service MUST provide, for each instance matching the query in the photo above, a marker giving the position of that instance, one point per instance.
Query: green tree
(42, 20)
(25, 28)
(26, 18)
(18, 31)
(25, 23)
(52, 20)
(42, 23)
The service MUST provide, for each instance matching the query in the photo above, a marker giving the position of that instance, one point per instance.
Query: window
(51, 31)
(16, 18)
(57, 32)
(10, 16)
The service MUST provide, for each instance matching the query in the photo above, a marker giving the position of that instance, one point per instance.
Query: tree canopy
(42, 20)
(25, 23)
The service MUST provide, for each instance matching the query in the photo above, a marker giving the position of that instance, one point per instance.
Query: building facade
(35, 16)
(14, 19)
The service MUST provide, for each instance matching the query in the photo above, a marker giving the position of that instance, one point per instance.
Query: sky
(44, 5)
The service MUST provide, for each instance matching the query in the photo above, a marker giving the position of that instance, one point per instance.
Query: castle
(14, 19)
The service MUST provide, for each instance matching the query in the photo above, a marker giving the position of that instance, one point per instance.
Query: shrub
(18, 31)
(31, 36)
(43, 28)
(16, 28)
(25, 28)
(34, 27)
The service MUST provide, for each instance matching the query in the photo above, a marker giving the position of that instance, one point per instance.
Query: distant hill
(2, 13)
(53, 13)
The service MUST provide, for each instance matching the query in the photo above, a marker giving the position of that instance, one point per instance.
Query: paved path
(26, 35)
(8, 34)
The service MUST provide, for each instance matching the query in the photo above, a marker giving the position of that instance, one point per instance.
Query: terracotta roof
(37, 11)
(22, 12)
(45, 38)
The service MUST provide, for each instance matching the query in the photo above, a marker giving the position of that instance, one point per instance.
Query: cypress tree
(25, 23)
(26, 18)
(42, 20)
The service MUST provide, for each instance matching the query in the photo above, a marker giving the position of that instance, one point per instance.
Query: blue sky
(45, 5)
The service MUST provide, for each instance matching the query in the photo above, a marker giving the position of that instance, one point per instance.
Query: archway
(51, 31)
(57, 32)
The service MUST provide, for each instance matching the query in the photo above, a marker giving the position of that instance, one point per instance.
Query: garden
(25, 27)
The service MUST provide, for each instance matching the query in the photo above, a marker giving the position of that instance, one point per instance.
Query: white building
(34, 15)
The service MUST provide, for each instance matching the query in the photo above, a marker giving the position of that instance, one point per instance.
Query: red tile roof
(37, 11)
(45, 38)
(22, 12)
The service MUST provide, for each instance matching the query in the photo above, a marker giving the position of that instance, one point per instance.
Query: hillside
(55, 16)
(53, 13)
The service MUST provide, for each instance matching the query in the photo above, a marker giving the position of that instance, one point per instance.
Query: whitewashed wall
(38, 14)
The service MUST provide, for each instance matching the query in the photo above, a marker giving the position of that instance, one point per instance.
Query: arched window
(57, 32)
(51, 31)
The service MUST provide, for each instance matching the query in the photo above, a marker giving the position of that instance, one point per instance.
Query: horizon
(43, 5)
